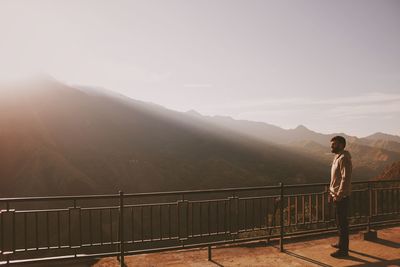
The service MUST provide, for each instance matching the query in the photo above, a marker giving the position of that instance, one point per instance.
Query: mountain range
(58, 139)
(370, 154)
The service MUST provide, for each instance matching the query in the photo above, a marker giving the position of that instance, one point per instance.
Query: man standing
(340, 190)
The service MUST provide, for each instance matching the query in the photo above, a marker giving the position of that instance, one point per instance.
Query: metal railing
(55, 228)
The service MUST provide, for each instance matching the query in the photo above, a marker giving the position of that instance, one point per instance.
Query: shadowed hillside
(57, 139)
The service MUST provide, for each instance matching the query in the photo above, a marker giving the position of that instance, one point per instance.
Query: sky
(333, 66)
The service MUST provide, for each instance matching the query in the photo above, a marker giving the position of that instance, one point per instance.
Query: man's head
(338, 143)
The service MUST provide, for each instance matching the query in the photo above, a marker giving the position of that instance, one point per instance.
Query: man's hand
(337, 198)
(331, 197)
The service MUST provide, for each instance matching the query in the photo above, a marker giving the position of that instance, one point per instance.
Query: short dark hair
(339, 139)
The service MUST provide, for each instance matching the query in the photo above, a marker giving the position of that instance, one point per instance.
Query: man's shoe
(339, 254)
(336, 245)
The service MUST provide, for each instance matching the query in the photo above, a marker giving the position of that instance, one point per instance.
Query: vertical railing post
(1, 235)
(325, 201)
(282, 221)
(370, 207)
(7, 255)
(121, 228)
(369, 234)
(234, 215)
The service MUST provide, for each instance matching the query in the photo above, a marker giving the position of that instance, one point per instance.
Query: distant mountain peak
(301, 128)
(224, 117)
(383, 136)
(193, 113)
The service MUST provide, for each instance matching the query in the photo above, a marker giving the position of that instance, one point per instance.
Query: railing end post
(282, 221)
(121, 229)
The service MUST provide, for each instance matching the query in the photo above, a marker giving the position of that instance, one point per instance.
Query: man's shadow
(386, 242)
(216, 263)
(318, 263)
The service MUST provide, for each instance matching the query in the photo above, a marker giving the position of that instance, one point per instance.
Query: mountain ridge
(371, 154)
(300, 127)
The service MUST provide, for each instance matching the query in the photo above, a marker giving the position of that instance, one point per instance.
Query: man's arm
(345, 171)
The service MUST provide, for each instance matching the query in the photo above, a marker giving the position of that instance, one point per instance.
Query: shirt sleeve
(345, 168)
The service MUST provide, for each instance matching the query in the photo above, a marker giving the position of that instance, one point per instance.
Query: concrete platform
(385, 251)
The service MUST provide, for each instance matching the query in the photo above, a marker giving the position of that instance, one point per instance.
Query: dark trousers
(342, 207)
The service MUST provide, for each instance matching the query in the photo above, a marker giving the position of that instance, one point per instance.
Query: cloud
(361, 104)
(348, 113)
(377, 108)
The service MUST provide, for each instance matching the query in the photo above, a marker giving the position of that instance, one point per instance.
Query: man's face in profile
(336, 146)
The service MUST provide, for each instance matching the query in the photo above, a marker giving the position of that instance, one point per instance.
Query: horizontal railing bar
(100, 208)
(223, 190)
(140, 241)
(61, 210)
(165, 193)
(304, 194)
(305, 185)
(60, 258)
(209, 200)
(324, 184)
(200, 245)
(149, 204)
(359, 190)
(151, 240)
(42, 248)
(53, 248)
(386, 213)
(209, 234)
(376, 181)
(384, 188)
(36, 211)
(80, 197)
(259, 197)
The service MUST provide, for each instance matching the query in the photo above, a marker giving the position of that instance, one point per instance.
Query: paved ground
(312, 252)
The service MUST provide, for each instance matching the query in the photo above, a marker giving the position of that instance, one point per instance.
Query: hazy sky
(333, 66)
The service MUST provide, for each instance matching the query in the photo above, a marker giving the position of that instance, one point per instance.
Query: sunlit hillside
(392, 172)
(58, 139)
